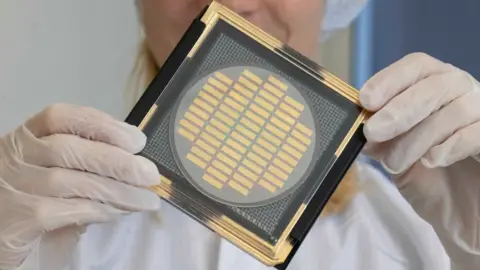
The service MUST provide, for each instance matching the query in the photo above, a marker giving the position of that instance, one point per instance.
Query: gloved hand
(425, 130)
(64, 168)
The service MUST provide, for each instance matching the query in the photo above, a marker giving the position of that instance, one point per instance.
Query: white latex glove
(67, 167)
(425, 130)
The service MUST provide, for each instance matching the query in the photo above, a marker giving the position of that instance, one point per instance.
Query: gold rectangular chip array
(223, 78)
(212, 181)
(304, 129)
(250, 165)
(213, 131)
(225, 119)
(245, 132)
(218, 85)
(267, 185)
(255, 118)
(259, 150)
(255, 158)
(198, 112)
(259, 111)
(249, 174)
(189, 126)
(250, 124)
(243, 90)
(227, 160)
(210, 139)
(290, 101)
(285, 117)
(197, 161)
(291, 151)
(287, 158)
(301, 137)
(188, 135)
(277, 172)
(217, 174)
(277, 132)
(194, 119)
(288, 109)
(222, 167)
(240, 138)
(212, 91)
(236, 146)
(232, 153)
(282, 165)
(271, 138)
(202, 104)
(279, 123)
(202, 144)
(298, 145)
(248, 84)
(219, 125)
(277, 83)
(238, 187)
(234, 104)
(229, 111)
(267, 145)
(200, 153)
(242, 180)
(238, 97)
(272, 89)
(209, 98)
(273, 179)
(270, 98)
(252, 77)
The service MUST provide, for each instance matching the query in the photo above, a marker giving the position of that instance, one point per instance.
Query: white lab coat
(379, 230)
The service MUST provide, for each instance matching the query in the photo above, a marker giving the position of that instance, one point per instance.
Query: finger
(396, 78)
(408, 148)
(464, 143)
(65, 183)
(88, 123)
(416, 103)
(72, 152)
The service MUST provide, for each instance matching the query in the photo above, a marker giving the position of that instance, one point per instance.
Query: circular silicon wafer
(243, 136)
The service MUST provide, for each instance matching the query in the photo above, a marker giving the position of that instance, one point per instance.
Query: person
(73, 192)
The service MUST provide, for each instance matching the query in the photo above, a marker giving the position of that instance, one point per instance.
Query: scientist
(73, 194)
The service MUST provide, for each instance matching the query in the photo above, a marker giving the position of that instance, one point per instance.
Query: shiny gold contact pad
(244, 136)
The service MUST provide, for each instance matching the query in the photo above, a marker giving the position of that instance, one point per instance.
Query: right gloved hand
(67, 167)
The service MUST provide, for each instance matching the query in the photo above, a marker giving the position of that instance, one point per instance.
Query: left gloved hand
(425, 130)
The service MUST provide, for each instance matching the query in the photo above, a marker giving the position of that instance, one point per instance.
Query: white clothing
(378, 231)
(430, 148)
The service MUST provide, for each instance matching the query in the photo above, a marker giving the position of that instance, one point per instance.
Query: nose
(243, 7)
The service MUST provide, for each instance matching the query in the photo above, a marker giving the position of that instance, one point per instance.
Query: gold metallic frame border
(263, 251)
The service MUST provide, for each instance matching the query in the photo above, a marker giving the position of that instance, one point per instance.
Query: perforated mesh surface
(224, 53)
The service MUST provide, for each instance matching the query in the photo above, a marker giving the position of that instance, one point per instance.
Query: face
(296, 23)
